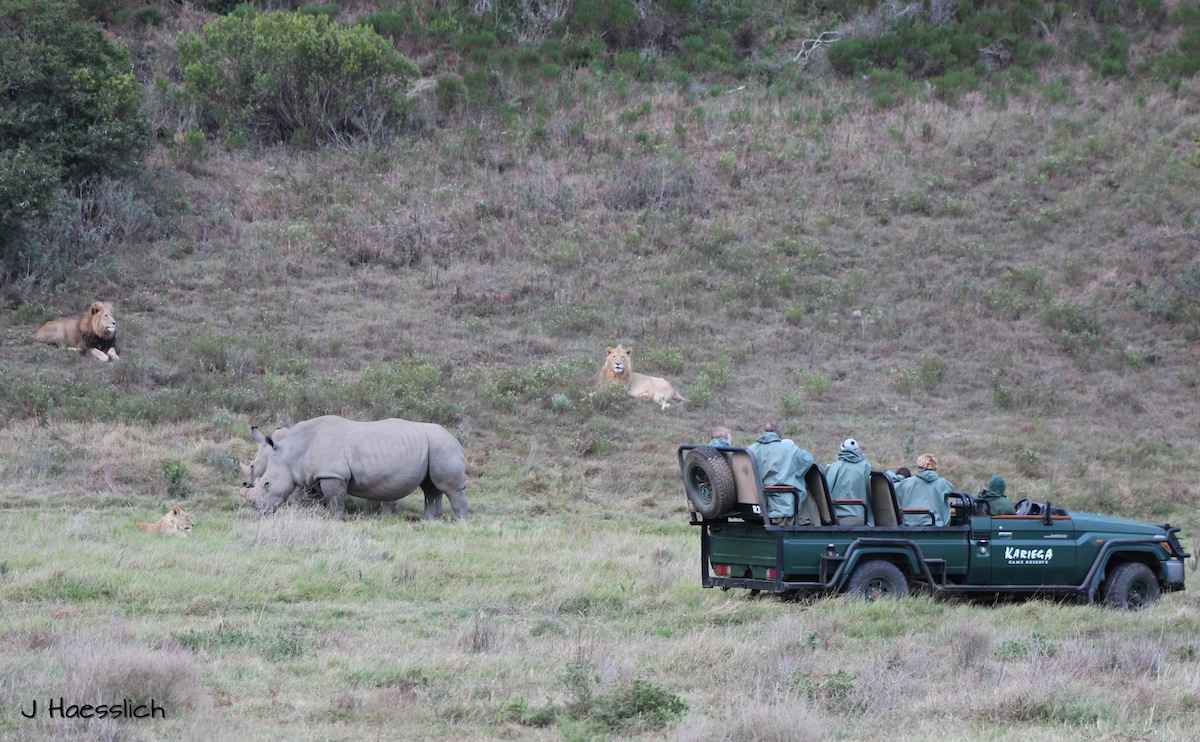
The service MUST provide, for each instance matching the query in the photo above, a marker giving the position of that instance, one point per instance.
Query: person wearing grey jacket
(781, 461)
(849, 478)
(927, 491)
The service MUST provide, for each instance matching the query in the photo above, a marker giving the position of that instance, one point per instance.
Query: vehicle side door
(1033, 550)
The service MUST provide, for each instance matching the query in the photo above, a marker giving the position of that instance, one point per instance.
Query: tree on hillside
(70, 112)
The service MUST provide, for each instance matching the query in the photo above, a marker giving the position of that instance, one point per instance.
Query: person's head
(722, 432)
(996, 484)
(904, 472)
(927, 462)
(852, 446)
(770, 426)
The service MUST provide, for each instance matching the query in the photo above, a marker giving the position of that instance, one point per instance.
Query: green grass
(512, 624)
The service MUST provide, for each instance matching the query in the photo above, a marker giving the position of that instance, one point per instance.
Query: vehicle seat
(883, 500)
(818, 495)
(749, 488)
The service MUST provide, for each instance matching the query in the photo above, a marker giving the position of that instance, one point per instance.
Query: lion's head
(100, 320)
(177, 520)
(617, 364)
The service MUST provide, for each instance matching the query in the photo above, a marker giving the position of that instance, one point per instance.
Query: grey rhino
(380, 461)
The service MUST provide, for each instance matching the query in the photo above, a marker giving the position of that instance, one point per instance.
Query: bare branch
(996, 54)
(808, 46)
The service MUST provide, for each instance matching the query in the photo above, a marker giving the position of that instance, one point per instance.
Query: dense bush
(295, 77)
(69, 111)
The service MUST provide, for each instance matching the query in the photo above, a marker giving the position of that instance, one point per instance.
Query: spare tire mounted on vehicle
(708, 481)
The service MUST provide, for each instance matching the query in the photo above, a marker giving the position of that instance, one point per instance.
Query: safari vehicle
(1043, 549)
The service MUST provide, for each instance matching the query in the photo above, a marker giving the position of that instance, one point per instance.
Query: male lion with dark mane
(177, 520)
(94, 332)
(617, 369)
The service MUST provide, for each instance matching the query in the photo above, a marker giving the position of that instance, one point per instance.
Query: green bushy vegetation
(69, 117)
(294, 77)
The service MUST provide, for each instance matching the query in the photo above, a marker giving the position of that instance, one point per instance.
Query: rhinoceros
(380, 461)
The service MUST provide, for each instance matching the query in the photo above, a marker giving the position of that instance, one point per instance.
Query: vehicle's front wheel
(708, 481)
(877, 579)
(1131, 586)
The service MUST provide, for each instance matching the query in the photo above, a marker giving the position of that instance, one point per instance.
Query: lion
(617, 369)
(94, 332)
(177, 520)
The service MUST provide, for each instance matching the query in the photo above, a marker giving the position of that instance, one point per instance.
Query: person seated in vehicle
(993, 495)
(781, 462)
(721, 436)
(927, 491)
(849, 478)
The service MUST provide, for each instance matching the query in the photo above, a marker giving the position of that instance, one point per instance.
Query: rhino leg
(333, 491)
(433, 501)
(456, 492)
(458, 500)
(448, 475)
(378, 507)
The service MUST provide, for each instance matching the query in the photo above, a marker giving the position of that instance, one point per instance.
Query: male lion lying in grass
(94, 332)
(177, 520)
(617, 370)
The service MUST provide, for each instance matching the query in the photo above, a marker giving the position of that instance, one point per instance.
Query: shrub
(80, 225)
(295, 77)
(640, 705)
(792, 404)
(614, 20)
(391, 20)
(417, 388)
(175, 472)
(71, 109)
(1075, 326)
(924, 375)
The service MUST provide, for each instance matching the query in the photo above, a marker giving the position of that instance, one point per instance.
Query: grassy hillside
(1007, 278)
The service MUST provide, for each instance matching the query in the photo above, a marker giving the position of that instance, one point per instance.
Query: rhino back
(380, 460)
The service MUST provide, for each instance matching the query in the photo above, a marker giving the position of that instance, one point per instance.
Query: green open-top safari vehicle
(1040, 550)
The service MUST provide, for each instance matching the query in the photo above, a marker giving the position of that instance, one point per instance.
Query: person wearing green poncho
(927, 491)
(849, 478)
(781, 461)
(993, 495)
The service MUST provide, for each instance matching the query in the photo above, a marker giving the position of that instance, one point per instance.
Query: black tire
(708, 481)
(877, 579)
(1131, 586)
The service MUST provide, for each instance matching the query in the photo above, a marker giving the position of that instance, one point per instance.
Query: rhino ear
(261, 439)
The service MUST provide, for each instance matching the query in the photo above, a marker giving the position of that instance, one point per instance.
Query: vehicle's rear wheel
(708, 481)
(878, 579)
(1131, 586)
